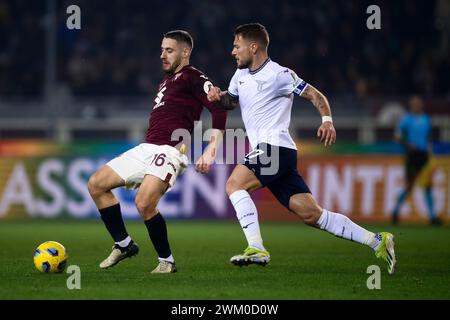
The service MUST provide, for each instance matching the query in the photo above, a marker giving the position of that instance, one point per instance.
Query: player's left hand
(327, 133)
(205, 161)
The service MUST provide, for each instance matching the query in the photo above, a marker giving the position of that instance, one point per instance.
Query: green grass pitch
(306, 263)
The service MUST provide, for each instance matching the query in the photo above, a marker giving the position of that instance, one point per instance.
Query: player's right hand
(214, 94)
(327, 133)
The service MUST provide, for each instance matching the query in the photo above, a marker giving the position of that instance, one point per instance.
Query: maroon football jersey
(178, 103)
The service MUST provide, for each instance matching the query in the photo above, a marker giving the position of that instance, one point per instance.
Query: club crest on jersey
(260, 84)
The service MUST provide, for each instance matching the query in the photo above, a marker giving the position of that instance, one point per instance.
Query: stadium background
(72, 99)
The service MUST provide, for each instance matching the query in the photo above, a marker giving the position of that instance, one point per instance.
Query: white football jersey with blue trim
(265, 98)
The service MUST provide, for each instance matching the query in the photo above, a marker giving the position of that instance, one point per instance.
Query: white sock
(341, 226)
(247, 215)
(168, 259)
(124, 243)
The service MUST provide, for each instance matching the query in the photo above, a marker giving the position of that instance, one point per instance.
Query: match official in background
(414, 133)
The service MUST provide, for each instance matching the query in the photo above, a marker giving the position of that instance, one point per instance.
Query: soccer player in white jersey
(264, 91)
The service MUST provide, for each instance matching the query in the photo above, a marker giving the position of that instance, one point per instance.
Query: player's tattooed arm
(228, 102)
(326, 131)
(223, 99)
(317, 99)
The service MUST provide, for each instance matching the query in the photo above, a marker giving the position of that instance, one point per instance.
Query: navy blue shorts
(276, 168)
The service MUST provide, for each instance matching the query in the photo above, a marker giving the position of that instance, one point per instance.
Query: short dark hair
(253, 31)
(180, 36)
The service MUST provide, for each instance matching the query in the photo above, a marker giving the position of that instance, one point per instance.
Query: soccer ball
(50, 257)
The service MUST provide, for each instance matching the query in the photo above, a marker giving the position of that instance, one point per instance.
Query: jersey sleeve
(233, 87)
(288, 82)
(219, 117)
(402, 127)
(200, 87)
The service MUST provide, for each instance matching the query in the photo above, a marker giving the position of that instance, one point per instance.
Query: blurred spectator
(326, 42)
(22, 43)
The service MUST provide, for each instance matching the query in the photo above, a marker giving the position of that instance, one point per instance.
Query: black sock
(112, 218)
(157, 230)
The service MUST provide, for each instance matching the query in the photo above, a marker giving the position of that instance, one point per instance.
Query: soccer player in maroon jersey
(153, 166)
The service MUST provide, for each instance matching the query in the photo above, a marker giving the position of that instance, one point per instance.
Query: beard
(173, 67)
(245, 64)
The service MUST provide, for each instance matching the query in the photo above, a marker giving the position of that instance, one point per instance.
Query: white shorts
(164, 162)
